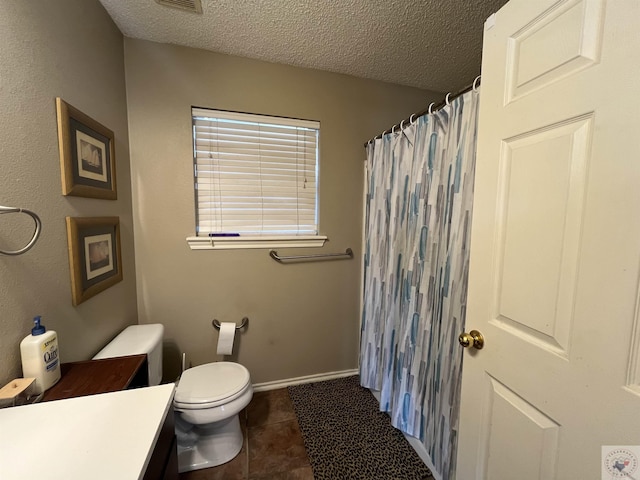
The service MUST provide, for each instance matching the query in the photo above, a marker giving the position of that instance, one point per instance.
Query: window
(256, 180)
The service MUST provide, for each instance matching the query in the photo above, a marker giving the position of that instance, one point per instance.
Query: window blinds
(254, 174)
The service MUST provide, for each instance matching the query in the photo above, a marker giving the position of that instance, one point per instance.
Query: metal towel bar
(277, 258)
(245, 320)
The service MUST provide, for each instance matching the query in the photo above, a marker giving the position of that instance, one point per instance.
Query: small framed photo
(87, 159)
(95, 259)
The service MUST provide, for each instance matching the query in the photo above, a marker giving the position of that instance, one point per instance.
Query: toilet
(207, 399)
(207, 402)
(137, 340)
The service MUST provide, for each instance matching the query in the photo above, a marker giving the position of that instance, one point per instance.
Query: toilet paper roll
(225, 339)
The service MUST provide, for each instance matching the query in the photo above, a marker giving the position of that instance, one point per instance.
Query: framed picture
(95, 259)
(87, 160)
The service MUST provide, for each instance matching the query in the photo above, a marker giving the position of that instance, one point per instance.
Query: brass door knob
(472, 339)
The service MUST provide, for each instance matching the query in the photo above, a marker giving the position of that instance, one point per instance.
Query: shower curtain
(417, 227)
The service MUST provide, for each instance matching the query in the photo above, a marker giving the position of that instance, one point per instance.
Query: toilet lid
(211, 382)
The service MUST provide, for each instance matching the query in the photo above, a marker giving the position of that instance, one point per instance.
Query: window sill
(235, 243)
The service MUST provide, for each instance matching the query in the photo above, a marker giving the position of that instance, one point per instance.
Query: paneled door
(555, 245)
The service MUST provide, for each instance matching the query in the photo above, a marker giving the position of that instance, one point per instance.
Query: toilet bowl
(207, 401)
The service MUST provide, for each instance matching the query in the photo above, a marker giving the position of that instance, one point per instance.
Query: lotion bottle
(39, 353)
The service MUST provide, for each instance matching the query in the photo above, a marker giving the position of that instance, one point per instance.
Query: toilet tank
(135, 340)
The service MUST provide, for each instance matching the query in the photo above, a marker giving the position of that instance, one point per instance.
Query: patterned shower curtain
(418, 219)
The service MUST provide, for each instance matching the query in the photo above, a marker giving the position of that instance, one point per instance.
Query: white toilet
(137, 340)
(207, 400)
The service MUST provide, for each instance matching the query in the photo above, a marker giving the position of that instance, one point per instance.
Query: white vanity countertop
(109, 436)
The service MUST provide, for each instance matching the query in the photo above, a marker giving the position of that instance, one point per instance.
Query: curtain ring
(429, 111)
(401, 125)
(475, 86)
(446, 99)
(393, 129)
(411, 119)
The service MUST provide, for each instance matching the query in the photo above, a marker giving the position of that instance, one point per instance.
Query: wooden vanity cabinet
(163, 464)
(99, 376)
(111, 375)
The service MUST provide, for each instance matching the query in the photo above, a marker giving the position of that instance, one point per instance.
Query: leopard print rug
(348, 438)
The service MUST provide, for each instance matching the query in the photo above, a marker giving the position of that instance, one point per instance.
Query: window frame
(247, 241)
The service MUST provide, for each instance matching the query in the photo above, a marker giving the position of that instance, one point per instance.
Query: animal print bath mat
(347, 437)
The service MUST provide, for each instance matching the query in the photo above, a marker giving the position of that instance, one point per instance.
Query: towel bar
(277, 258)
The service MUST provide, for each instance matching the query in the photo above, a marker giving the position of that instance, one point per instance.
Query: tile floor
(273, 448)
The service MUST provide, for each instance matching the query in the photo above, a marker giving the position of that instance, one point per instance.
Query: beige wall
(71, 49)
(304, 318)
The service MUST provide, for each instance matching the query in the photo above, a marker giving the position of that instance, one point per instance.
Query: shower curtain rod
(431, 108)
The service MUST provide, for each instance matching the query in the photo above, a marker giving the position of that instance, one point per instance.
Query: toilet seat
(211, 385)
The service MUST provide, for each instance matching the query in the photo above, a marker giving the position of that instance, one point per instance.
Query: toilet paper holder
(245, 321)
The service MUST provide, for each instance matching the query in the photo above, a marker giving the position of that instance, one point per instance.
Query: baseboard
(319, 377)
(416, 445)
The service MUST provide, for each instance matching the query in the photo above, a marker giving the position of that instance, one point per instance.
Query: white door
(555, 246)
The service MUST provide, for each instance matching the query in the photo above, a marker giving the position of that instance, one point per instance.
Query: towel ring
(36, 232)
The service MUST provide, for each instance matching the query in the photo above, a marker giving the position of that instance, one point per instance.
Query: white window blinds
(254, 174)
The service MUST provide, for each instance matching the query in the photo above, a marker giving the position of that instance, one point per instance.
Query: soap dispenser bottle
(39, 352)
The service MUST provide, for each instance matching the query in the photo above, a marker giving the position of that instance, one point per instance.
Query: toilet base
(209, 445)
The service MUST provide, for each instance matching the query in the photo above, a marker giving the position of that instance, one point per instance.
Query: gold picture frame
(87, 154)
(95, 258)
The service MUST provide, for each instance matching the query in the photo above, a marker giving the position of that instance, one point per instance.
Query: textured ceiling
(431, 44)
